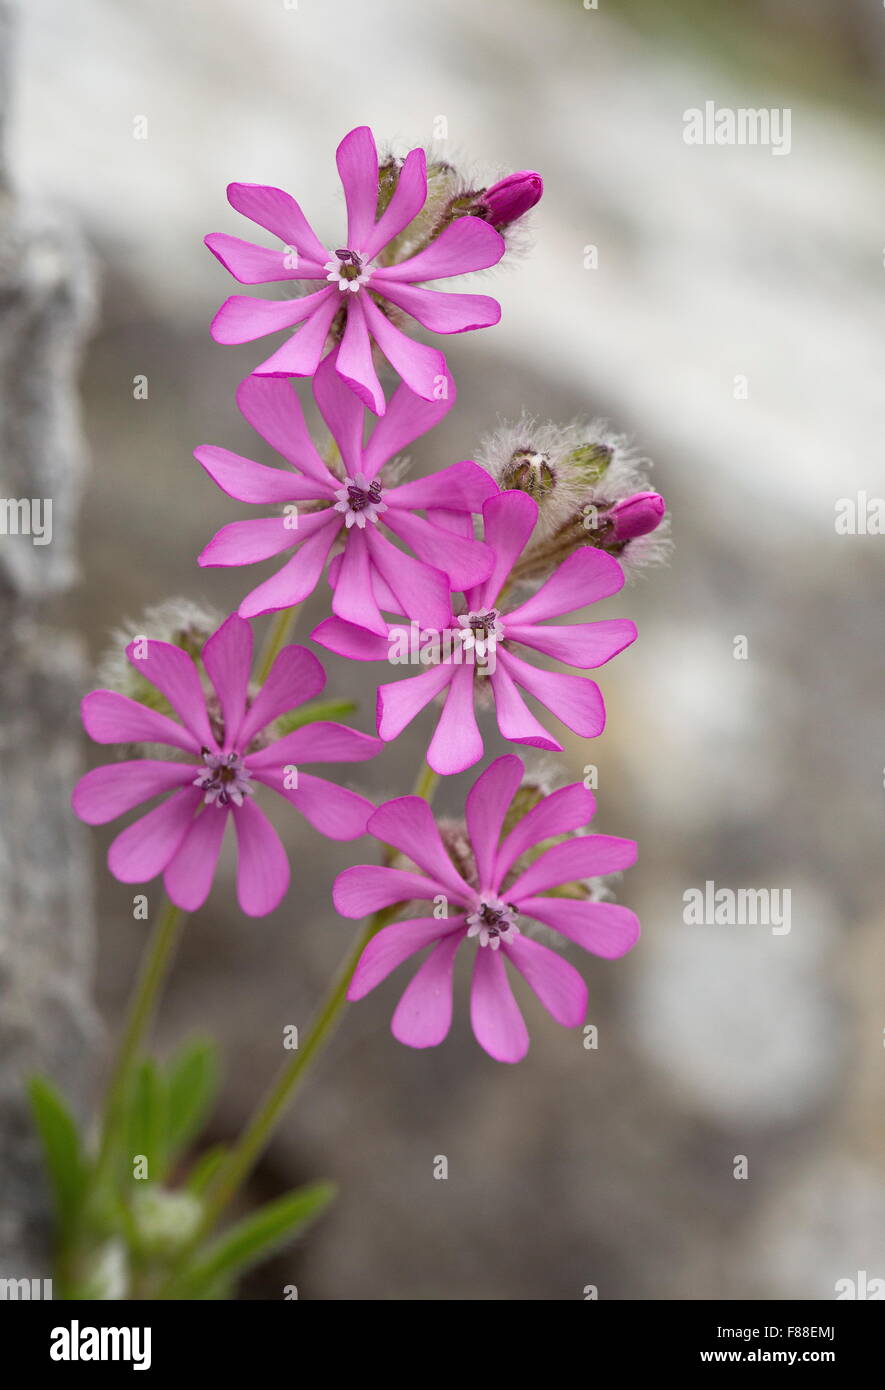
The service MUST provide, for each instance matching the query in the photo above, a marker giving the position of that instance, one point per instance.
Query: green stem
(279, 632)
(264, 1122)
(154, 967)
(258, 1132)
(426, 782)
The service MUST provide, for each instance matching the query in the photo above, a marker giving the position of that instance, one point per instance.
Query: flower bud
(589, 462)
(529, 471)
(511, 198)
(637, 515)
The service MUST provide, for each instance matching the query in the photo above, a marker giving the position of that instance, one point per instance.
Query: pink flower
(353, 279)
(585, 577)
(511, 198)
(492, 909)
(225, 758)
(372, 570)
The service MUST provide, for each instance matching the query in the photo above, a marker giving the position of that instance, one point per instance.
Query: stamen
(226, 779)
(360, 501)
(493, 921)
(348, 270)
(481, 630)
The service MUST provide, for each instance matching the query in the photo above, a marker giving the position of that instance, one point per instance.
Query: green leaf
(146, 1124)
(191, 1084)
(205, 1168)
(255, 1238)
(309, 714)
(61, 1149)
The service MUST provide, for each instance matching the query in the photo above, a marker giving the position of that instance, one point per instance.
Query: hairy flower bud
(510, 198)
(637, 515)
(590, 462)
(529, 471)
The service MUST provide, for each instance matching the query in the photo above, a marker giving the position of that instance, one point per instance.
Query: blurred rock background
(612, 1167)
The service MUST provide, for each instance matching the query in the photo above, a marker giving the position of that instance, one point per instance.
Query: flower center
(348, 269)
(360, 501)
(480, 630)
(493, 921)
(225, 780)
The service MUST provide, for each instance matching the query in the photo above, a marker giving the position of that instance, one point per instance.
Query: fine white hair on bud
(455, 188)
(576, 473)
(180, 621)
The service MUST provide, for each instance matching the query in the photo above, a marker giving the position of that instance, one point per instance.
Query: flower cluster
(466, 573)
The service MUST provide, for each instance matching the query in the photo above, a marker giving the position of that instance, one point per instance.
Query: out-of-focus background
(733, 326)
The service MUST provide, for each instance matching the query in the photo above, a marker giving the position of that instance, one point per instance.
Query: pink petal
(459, 523)
(143, 849)
(367, 887)
(277, 212)
(407, 823)
(112, 718)
(487, 805)
(357, 160)
(400, 701)
(556, 983)
(582, 579)
(442, 311)
(243, 318)
(577, 644)
(422, 592)
(462, 487)
(336, 812)
(457, 742)
(252, 482)
(465, 562)
(248, 542)
(353, 360)
(189, 873)
(256, 265)
(262, 866)
(569, 808)
(296, 676)
(271, 406)
(408, 199)
(342, 412)
(395, 944)
(423, 1016)
(172, 672)
(408, 417)
(319, 742)
(605, 929)
(515, 720)
(498, 1026)
(227, 657)
(300, 355)
(384, 598)
(585, 856)
(298, 577)
(345, 639)
(108, 792)
(467, 244)
(508, 520)
(422, 368)
(353, 599)
(575, 700)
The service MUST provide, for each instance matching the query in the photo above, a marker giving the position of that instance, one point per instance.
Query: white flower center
(348, 270)
(480, 631)
(225, 780)
(360, 501)
(493, 921)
